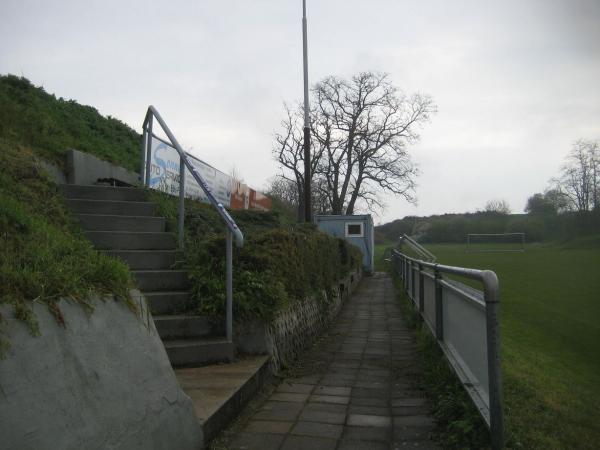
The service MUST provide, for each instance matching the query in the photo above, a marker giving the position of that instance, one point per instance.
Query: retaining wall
(296, 327)
(103, 381)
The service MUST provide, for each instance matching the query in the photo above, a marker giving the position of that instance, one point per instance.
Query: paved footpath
(355, 388)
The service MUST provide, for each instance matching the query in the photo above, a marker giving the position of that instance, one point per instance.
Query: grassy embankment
(44, 256)
(550, 339)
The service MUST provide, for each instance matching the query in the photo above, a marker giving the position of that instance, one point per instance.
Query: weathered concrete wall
(295, 328)
(53, 171)
(83, 168)
(103, 382)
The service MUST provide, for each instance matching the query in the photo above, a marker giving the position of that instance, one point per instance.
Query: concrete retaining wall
(83, 168)
(295, 328)
(102, 382)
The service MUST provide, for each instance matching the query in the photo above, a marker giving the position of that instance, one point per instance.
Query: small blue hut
(356, 229)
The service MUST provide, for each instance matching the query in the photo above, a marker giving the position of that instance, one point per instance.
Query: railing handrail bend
(225, 216)
(487, 277)
(418, 247)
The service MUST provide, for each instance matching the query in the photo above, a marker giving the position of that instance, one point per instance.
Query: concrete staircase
(121, 222)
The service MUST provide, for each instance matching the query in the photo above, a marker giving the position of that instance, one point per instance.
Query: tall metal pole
(307, 176)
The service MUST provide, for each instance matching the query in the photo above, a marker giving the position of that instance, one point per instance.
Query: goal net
(495, 242)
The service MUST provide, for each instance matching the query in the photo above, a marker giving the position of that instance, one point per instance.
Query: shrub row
(278, 264)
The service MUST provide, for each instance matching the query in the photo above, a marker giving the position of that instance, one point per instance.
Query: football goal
(495, 242)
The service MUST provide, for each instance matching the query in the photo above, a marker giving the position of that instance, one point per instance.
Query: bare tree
(286, 191)
(289, 152)
(361, 129)
(499, 206)
(579, 180)
(559, 201)
(283, 190)
(551, 201)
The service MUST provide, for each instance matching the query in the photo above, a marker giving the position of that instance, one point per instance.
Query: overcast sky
(516, 82)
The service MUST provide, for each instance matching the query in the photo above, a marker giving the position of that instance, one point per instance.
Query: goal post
(495, 242)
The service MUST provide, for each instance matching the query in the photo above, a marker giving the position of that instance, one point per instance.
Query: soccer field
(550, 322)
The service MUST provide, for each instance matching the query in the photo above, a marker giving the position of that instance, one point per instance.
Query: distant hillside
(49, 125)
(453, 228)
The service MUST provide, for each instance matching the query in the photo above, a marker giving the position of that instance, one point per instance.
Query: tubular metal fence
(465, 323)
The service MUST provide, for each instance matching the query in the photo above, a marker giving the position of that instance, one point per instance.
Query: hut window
(354, 229)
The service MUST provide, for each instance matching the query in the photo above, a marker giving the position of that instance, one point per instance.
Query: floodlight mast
(307, 175)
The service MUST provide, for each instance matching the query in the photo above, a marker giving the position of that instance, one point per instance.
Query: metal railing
(417, 248)
(232, 231)
(465, 323)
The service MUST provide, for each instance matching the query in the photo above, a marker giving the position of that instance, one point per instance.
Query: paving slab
(268, 426)
(247, 441)
(355, 389)
(295, 388)
(369, 420)
(324, 430)
(307, 443)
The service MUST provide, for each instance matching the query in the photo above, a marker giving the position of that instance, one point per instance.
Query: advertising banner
(164, 177)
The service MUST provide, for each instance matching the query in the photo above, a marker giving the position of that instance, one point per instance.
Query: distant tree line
(576, 188)
(453, 228)
(568, 208)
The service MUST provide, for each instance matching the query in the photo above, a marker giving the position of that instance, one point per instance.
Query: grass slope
(50, 126)
(550, 339)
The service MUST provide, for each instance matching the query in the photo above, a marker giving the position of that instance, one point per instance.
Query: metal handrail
(232, 229)
(417, 247)
(406, 267)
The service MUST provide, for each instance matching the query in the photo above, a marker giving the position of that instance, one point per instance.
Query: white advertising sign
(164, 175)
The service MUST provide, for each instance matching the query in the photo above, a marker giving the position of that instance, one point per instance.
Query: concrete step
(183, 327)
(100, 222)
(128, 194)
(148, 259)
(111, 207)
(131, 240)
(221, 391)
(165, 302)
(198, 351)
(161, 280)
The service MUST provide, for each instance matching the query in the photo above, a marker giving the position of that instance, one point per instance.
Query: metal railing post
(402, 263)
(400, 269)
(229, 283)
(491, 291)
(143, 155)
(149, 151)
(421, 289)
(406, 275)
(439, 311)
(409, 282)
(412, 279)
(181, 202)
